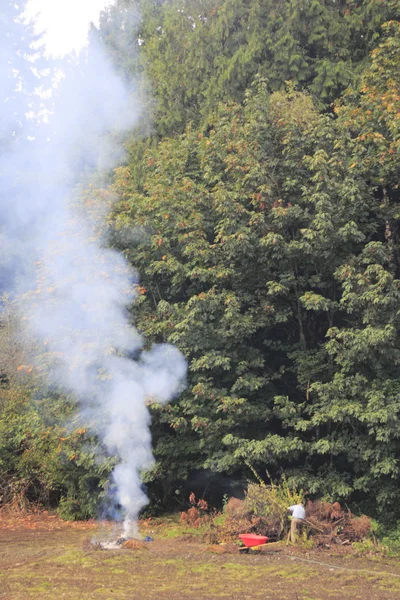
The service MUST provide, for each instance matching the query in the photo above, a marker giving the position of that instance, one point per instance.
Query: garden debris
(230, 527)
(331, 524)
(134, 545)
(264, 512)
(235, 507)
(198, 514)
(120, 541)
(14, 518)
(222, 549)
(325, 524)
(89, 545)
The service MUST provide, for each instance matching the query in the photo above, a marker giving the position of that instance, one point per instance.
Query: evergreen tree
(198, 54)
(243, 231)
(265, 230)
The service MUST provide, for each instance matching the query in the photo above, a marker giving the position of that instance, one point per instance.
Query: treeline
(261, 209)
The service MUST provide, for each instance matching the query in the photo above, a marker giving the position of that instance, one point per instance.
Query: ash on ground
(113, 545)
(121, 544)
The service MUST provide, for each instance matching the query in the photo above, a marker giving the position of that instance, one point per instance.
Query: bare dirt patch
(43, 557)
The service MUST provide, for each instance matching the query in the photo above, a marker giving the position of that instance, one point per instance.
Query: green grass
(61, 566)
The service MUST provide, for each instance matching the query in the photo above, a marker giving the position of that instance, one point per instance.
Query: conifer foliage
(261, 211)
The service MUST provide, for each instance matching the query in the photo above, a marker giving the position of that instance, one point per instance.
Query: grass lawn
(44, 558)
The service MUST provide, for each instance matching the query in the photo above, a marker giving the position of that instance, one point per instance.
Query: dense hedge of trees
(198, 53)
(261, 210)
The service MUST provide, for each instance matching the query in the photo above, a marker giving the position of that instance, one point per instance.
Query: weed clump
(198, 514)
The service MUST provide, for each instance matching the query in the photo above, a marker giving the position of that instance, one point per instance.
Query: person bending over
(298, 515)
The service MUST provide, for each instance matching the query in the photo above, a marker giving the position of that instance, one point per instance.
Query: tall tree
(198, 54)
(239, 235)
(355, 410)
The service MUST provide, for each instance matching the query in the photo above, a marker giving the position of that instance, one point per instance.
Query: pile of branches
(237, 519)
(263, 511)
(326, 524)
(331, 524)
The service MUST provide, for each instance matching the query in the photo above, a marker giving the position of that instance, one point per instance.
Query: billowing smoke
(76, 291)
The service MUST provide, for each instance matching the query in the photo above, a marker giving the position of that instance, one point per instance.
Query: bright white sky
(65, 22)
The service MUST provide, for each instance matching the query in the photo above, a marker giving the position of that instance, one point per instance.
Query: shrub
(270, 502)
(389, 538)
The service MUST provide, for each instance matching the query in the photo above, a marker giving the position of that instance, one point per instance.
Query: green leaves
(312, 301)
(197, 54)
(264, 226)
(268, 268)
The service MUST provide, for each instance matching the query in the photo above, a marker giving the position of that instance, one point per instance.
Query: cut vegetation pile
(264, 511)
(331, 524)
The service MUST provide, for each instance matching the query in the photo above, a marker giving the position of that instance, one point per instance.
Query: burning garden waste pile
(76, 291)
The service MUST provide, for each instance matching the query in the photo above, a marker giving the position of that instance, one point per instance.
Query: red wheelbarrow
(251, 540)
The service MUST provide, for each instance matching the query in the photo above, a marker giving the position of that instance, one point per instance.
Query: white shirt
(298, 511)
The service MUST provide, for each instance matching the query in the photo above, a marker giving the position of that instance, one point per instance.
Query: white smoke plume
(77, 291)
